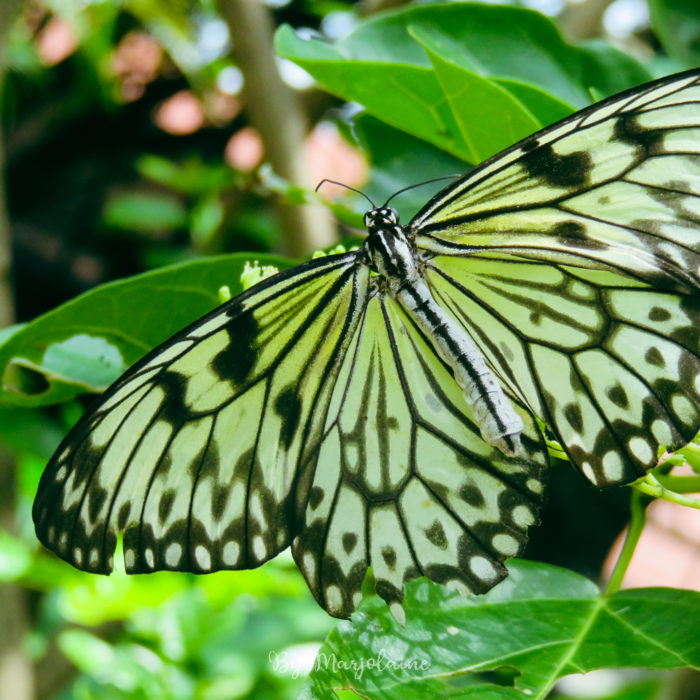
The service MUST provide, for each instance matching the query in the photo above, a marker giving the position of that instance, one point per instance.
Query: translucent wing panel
(404, 482)
(611, 364)
(193, 452)
(617, 185)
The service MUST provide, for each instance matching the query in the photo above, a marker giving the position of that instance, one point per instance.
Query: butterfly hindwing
(612, 365)
(404, 481)
(573, 260)
(193, 454)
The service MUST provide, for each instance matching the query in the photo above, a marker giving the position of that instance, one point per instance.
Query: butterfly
(385, 406)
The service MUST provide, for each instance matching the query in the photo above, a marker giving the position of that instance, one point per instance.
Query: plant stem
(653, 487)
(638, 506)
(276, 112)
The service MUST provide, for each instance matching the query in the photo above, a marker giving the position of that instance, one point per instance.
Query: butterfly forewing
(616, 184)
(404, 482)
(193, 454)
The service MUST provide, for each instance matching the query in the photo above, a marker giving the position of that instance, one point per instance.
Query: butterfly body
(383, 406)
(399, 267)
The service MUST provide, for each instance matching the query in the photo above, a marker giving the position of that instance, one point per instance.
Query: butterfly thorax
(389, 251)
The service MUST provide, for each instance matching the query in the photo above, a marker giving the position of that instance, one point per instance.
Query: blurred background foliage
(138, 133)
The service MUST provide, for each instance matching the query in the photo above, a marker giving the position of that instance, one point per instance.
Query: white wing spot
(63, 541)
(352, 457)
(129, 558)
(682, 408)
(259, 548)
(356, 598)
(612, 466)
(309, 565)
(522, 516)
(661, 432)
(482, 568)
(398, 612)
(94, 556)
(334, 597)
(173, 554)
(587, 469)
(455, 584)
(150, 559)
(641, 449)
(534, 485)
(202, 557)
(61, 473)
(51, 534)
(230, 553)
(78, 555)
(505, 544)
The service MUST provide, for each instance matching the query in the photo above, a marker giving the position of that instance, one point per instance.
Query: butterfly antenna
(420, 184)
(347, 187)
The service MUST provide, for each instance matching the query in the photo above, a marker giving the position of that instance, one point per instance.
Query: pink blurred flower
(244, 150)
(56, 41)
(180, 114)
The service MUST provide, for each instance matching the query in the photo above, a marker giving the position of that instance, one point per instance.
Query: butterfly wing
(616, 185)
(611, 364)
(573, 259)
(405, 483)
(193, 453)
(309, 410)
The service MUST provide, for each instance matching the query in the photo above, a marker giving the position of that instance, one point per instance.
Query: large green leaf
(539, 624)
(476, 103)
(85, 344)
(404, 67)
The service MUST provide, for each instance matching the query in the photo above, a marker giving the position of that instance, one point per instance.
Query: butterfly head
(381, 218)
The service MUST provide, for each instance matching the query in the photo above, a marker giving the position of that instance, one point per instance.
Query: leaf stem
(638, 506)
(657, 488)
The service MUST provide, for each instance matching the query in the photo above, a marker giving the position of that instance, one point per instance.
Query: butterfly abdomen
(498, 422)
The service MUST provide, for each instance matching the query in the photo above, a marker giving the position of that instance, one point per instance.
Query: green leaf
(144, 211)
(27, 430)
(511, 58)
(488, 117)
(608, 70)
(15, 557)
(85, 344)
(677, 24)
(192, 176)
(539, 624)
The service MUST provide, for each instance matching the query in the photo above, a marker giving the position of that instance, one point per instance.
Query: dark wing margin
(192, 454)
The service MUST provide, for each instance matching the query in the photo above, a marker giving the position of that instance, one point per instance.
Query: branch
(275, 111)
